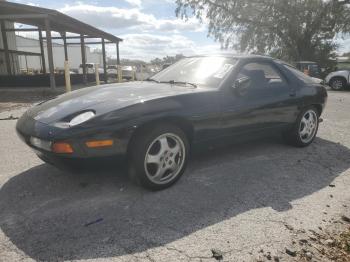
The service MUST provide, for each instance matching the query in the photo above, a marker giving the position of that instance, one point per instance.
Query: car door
(263, 101)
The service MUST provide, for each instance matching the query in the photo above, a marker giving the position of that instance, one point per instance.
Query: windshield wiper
(173, 82)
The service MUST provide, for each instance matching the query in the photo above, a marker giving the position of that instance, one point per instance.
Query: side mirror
(241, 85)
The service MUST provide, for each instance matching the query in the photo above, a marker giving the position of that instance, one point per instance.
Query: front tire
(158, 156)
(305, 128)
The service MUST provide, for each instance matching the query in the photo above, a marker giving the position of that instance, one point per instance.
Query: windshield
(208, 71)
(127, 68)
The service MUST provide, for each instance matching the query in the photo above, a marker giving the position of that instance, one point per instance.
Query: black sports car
(156, 122)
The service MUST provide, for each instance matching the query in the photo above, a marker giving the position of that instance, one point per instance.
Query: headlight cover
(81, 118)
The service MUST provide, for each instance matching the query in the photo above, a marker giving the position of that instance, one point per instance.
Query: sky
(149, 28)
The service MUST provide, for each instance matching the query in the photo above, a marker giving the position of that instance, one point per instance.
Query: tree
(157, 61)
(289, 29)
(167, 60)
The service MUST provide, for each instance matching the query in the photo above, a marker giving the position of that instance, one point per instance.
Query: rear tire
(305, 128)
(337, 83)
(158, 156)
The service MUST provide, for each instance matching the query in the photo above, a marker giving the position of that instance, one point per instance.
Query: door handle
(293, 93)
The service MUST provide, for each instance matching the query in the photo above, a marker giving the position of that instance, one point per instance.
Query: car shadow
(53, 215)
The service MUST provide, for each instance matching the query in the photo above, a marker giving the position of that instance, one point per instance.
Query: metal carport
(49, 20)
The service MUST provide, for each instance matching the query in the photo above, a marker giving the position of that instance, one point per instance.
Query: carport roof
(59, 22)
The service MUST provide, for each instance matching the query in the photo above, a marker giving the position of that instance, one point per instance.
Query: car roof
(237, 56)
(260, 58)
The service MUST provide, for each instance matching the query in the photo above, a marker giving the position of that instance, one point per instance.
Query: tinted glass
(300, 75)
(262, 75)
(209, 71)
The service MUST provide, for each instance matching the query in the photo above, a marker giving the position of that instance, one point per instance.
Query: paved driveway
(247, 201)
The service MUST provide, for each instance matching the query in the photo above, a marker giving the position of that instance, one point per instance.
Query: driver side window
(262, 75)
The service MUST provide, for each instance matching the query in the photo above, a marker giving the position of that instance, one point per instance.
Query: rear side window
(269, 71)
(300, 75)
(262, 75)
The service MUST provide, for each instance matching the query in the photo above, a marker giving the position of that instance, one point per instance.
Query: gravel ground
(246, 202)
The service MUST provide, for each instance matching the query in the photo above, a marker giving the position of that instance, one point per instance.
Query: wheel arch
(319, 108)
(182, 123)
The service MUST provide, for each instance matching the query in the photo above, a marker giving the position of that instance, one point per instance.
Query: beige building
(74, 54)
(16, 55)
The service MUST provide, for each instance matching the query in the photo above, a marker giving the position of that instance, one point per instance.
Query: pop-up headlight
(81, 118)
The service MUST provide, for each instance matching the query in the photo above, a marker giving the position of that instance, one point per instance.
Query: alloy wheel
(164, 158)
(337, 84)
(308, 126)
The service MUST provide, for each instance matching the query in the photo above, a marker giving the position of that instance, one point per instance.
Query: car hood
(113, 97)
(317, 80)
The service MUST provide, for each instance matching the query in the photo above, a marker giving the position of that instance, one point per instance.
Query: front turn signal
(62, 148)
(99, 143)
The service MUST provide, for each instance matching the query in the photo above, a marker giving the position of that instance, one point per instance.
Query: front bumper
(30, 130)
